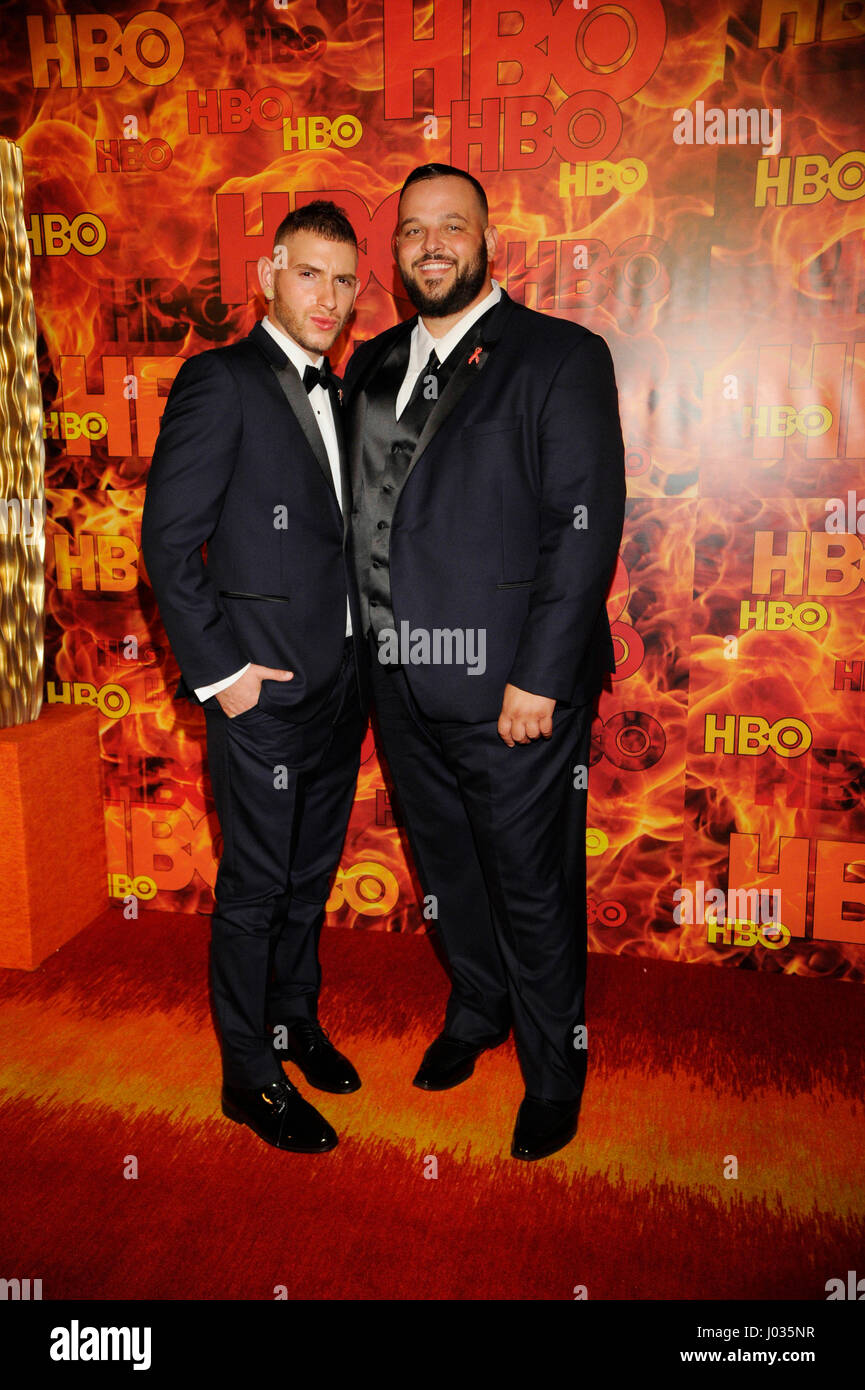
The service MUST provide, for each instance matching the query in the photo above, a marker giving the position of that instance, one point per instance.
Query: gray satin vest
(388, 445)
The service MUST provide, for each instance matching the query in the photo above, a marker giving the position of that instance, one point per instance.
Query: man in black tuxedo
(250, 460)
(488, 501)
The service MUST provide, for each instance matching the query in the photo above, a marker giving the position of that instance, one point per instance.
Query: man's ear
(491, 237)
(265, 276)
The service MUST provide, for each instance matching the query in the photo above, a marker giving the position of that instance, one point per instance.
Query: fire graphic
(733, 324)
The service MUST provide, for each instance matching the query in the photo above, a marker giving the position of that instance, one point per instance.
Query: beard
(305, 334)
(468, 282)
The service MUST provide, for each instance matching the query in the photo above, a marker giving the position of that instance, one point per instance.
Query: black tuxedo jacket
(485, 534)
(241, 466)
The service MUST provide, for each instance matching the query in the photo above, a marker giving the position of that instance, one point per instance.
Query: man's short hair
(323, 218)
(446, 171)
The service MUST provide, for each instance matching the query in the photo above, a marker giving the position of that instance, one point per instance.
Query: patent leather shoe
(280, 1116)
(448, 1062)
(543, 1127)
(306, 1043)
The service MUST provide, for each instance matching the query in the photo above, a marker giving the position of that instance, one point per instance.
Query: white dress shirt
(319, 399)
(422, 344)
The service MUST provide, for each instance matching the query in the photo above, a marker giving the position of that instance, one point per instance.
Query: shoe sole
(329, 1090)
(240, 1119)
(449, 1085)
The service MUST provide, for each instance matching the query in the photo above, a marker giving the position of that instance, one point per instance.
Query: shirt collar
(423, 342)
(293, 351)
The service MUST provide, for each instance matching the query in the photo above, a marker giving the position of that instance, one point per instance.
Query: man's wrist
(204, 692)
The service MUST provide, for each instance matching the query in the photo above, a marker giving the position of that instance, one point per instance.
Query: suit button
(376, 564)
(386, 487)
(381, 525)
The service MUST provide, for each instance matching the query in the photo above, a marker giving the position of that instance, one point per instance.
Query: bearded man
(488, 491)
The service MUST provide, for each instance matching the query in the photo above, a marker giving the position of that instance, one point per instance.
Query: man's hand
(244, 693)
(525, 716)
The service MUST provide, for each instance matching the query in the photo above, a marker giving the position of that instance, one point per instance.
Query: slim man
(250, 460)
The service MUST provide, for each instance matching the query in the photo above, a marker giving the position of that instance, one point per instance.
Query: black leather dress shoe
(307, 1044)
(543, 1126)
(280, 1116)
(448, 1062)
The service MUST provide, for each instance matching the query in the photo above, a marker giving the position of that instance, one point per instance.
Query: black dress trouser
(283, 795)
(498, 839)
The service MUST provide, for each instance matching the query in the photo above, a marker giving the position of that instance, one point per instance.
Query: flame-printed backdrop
(688, 181)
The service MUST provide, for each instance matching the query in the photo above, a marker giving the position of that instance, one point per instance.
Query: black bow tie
(317, 376)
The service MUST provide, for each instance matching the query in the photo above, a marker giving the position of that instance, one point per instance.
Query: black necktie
(424, 392)
(317, 376)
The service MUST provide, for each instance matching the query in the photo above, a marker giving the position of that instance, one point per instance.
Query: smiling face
(311, 284)
(442, 246)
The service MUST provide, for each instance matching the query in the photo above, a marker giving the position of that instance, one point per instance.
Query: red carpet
(108, 1055)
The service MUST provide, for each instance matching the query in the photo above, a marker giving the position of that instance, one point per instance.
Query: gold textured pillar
(22, 462)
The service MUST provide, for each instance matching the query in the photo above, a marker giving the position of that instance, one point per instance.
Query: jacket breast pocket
(508, 422)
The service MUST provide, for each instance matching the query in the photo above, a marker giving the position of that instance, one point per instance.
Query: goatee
(467, 285)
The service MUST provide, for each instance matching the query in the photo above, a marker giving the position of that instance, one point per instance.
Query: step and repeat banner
(686, 180)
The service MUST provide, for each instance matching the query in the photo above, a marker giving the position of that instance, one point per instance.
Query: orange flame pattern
(719, 313)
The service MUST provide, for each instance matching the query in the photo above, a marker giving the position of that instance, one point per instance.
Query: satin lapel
(296, 395)
(359, 401)
(455, 389)
(357, 417)
(474, 357)
(377, 359)
(335, 397)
